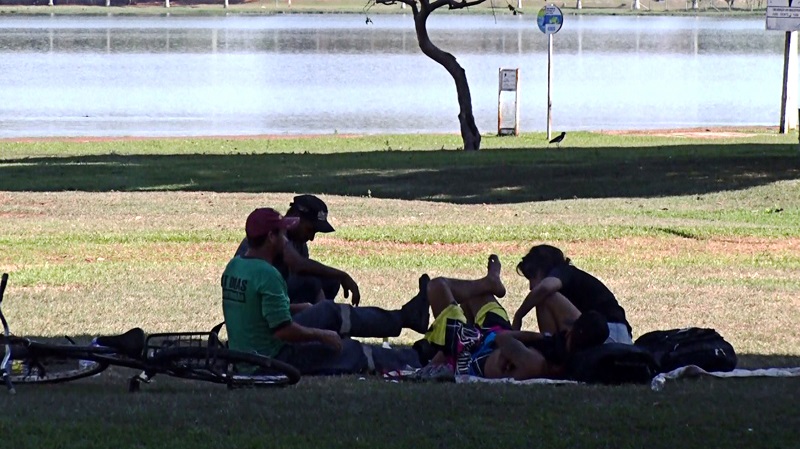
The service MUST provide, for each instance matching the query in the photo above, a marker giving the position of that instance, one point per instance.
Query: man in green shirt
(259, 318)
(308, 280)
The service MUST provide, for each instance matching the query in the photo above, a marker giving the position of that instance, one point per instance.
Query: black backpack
(675, 348)
(612, 363)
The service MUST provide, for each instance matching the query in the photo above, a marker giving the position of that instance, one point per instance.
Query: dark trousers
(355, 358)
(370, 322)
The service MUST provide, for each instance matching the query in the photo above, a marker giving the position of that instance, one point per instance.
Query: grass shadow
(746, 360)
(492, 176)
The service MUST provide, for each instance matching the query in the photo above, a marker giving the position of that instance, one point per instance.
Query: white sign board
(783, 15)
(508, 79)
(508, 103)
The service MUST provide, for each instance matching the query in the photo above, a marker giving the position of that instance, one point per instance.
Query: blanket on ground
(695, 371)
(657, 384)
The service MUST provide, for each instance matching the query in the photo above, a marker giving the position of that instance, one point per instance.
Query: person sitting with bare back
(556, 283)
(471, 333)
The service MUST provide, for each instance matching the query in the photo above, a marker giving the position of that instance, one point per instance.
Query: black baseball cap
(314, 209)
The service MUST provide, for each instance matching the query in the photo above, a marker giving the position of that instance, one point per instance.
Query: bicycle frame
(148, 358)
(4, 368)
(188, 355)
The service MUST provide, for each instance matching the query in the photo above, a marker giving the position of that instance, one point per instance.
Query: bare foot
(494, 268)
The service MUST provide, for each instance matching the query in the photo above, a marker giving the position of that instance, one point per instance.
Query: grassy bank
(103, 236)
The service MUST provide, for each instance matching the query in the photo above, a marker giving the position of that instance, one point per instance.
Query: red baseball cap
(262, 221)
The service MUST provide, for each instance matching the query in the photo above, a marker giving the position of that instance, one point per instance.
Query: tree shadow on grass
(746, 360)
(492, 176)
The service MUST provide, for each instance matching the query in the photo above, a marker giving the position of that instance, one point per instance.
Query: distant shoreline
(708, 132)
(268, 7)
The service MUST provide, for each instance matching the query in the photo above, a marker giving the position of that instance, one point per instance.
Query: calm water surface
(178, 76)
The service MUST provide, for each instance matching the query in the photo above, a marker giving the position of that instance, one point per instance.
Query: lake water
(238, 75)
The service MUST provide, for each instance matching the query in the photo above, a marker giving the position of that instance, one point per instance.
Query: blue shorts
(618, 333)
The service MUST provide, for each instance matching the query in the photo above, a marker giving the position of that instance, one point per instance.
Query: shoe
(414, 313)
(435, 373)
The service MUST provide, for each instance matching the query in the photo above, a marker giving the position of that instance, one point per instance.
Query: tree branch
(411, 3)
(459, 4)
(455, 4)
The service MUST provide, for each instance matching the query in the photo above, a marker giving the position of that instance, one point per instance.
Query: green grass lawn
(102, 236)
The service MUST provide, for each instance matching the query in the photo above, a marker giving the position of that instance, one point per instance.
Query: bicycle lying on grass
(188, 355)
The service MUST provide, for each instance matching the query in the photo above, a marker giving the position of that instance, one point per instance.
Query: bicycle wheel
(225, 366)
(29, 367)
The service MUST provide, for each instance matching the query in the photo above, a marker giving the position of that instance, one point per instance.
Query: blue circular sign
(550, 19)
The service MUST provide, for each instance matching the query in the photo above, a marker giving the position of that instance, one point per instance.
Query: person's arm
(545, 288)
(295, 333)
(276, 310)
(298, 307)
(302, 265)
(526, 337)
(526, 363)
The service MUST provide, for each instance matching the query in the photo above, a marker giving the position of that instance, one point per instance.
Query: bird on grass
(557, 139)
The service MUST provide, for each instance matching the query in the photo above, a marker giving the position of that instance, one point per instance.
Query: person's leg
(491, 284)
(492, 315)
(369, 321)
(445, 309)
(355, 358)
(318, 359)
(556, 313)
(382, 360)
(482, 307)
(471, 295)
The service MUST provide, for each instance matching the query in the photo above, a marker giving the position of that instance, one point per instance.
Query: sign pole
(550, 19)
(784, 15)
(789, 88)
(549, 84)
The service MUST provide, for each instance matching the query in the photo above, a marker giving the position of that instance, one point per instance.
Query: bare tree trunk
(695, 4)
(579, 5)
(469, 131)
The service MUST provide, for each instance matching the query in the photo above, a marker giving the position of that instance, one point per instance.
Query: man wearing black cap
(309, 281)
(258, 316)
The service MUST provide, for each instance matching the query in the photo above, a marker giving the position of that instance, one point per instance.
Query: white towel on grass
(695, 371)
(463, 379)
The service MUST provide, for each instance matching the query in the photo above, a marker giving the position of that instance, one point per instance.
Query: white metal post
(549, 83)
(789, 89)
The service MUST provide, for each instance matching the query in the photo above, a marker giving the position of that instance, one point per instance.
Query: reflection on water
(325, 73)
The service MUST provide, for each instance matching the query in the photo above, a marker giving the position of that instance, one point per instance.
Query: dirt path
(717, 132)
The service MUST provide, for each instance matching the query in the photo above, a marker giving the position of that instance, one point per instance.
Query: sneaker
(414, 313)
(435, 373)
